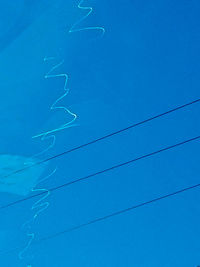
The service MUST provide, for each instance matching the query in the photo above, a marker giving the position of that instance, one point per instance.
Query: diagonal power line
(105, 136)
(108, 216)
(104, 171)
(119, 212)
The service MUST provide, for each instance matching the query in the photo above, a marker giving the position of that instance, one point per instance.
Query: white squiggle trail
(54, 106)
(40, 206)
(52, 143)
(89, 10)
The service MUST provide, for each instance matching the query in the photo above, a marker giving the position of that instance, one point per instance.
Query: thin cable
(119, 212)
(103, 218)
(105, 136)
(103, 171)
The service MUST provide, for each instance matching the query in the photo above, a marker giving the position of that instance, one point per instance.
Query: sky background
(146, 63)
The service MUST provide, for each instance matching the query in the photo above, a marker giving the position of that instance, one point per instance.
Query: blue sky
(146, 63)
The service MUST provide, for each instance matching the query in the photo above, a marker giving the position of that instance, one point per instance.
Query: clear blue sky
(146, 63)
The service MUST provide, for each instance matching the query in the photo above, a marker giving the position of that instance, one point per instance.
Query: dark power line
(108, 216)
(119, 212)
(105, 136)
(103, 171)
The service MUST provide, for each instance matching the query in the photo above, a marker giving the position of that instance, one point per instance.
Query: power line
(103, 171)
(119, 212)
(105, 137)
(103, 218)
